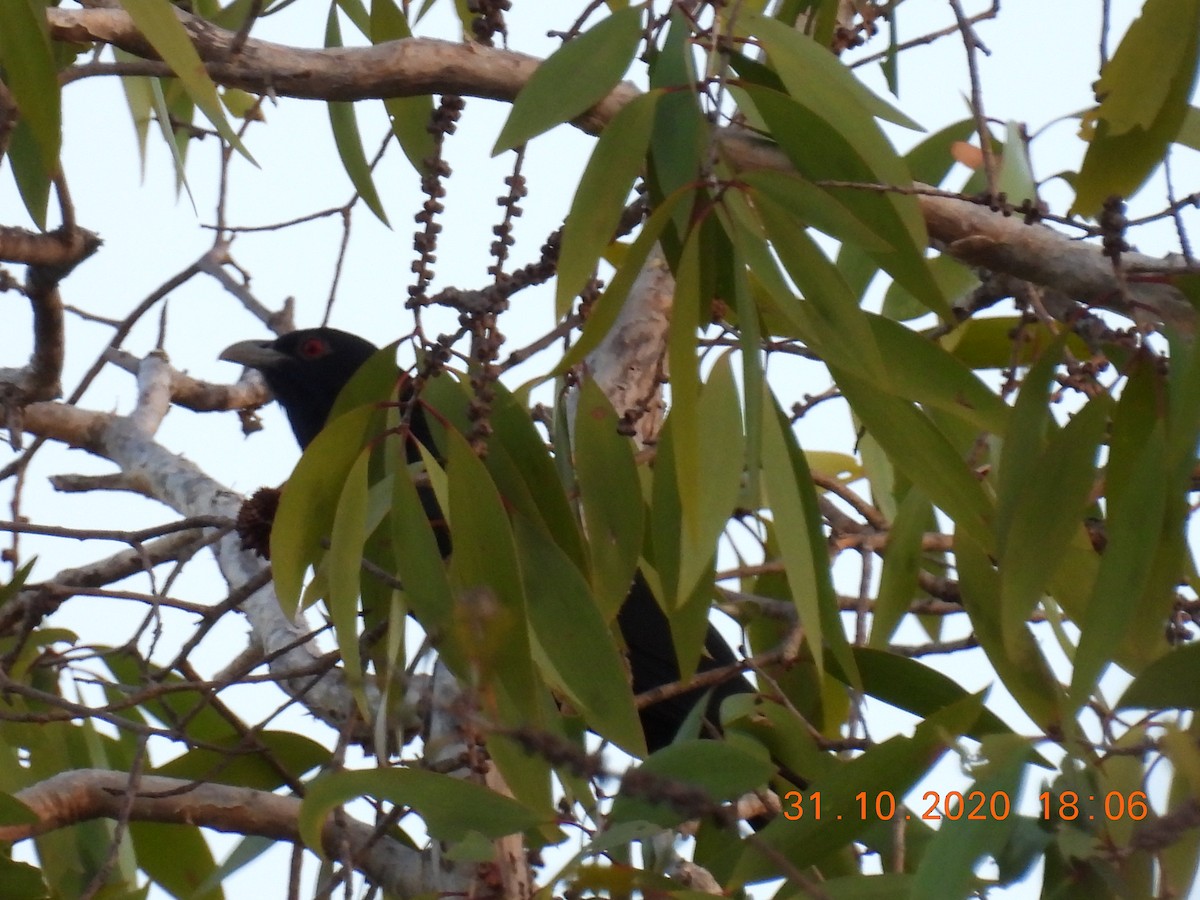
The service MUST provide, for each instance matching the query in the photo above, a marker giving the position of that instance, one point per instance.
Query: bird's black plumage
(307, 369)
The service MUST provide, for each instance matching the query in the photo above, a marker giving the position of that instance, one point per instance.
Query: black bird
(307, 369)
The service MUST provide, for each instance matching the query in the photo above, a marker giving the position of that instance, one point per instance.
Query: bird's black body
(307, 369)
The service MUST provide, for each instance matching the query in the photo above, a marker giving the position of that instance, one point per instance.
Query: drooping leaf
(1019, 663)
(606, 310)
(517, 460)
(283, 753)
(919, 449)
(409, 115)
(610, 495)
(573, 78)
(176, 858)
(603, 189)
(719, 457)
(574, 640)
(306, 506)
(31, 75)
(31, 177)
(345, 135)
(973, 830)
(157, 20)
(807, 67)
(1144, 90)
(720, 770)
(889, 768)
(853, 150)
(898, 584)
(685, 391)
(346, 540)
(680, 144)
(1171, 682)
(793, 503)
(450, 807)
(491, 612)
(1043, 509)
(1134, 532)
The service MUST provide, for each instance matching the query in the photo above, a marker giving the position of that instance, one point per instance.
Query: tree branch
(85, 794)
(970, 232)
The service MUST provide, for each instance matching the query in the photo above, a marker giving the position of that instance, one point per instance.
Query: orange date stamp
(972, 806)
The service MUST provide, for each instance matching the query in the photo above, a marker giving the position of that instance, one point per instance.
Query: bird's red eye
(313, 348)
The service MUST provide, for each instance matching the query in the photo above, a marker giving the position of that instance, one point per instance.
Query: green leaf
(1023, 669)
(22, 881)
(920, 370)
(176, 858)
(1145, 89)
(901, 564)
(1040, 513)
(987, 343)
(931, 160)
(808, 69)
(158, 21)
(812, 205)
(344, 565)
(283, 753)
(1016, 179)
(409, 115)
(309, 498)
(517, 460)
(451, 808)
(1134, 533)
(893, 766)
(606, 310)
(1189, 132)
(832, 317)
(176, 140)
(491, 604)
(923, 453)
(420, 567)
(1170, 682)
(30, 175)
(685, 394)
(947, 868)
(1138, 82)
(611, 496)
(955, 279)
(681, 145)
(720, 466)
(916, 688)
(719, 770)
(827, 147)
(797, 517)
(31, 74)
(574, 642)
(14, 812)
(573, 79)
(619, 157)
(345, 135)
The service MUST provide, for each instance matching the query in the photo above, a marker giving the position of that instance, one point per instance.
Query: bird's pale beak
(254, 354)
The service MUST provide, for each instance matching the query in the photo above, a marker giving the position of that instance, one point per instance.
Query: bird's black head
(306, 370)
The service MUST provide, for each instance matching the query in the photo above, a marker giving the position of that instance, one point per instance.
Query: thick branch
(85, 794)
(394, 69)
(63, 248)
